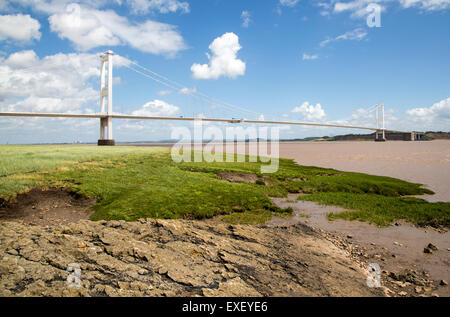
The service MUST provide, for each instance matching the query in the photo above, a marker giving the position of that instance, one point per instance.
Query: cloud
(22, 59)
(365, 117)
(289, 3)
(358, 8)
(19, 27)
(89, 28)
(156, 108)
(246, 19)
(429, 5)
(60, 78)
(60, 82)
(187, 91)
(438, 115)
(309, 57)
(310, 112)
(135, 6)
(162, 6)
(55, 6)
(354, 35)
(223, 62)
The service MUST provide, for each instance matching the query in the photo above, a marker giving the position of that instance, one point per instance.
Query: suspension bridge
(106, 114)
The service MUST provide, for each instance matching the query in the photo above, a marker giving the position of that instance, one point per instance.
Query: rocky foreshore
(175, 258)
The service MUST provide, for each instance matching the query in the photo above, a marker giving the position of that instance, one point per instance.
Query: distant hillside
(429, 135)
(438, 135)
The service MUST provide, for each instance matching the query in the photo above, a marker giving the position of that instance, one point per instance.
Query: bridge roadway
(122, 116)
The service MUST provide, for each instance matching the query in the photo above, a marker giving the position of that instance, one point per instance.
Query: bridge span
(106, 67)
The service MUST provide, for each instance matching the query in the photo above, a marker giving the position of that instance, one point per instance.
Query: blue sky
(292, 60)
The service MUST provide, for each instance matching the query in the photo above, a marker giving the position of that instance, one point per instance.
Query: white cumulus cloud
(223, 61)
(156, 108)
(22, 59)
(89, 28)
(310, 112)
(19, 27)
(60, 82)
(438, 113)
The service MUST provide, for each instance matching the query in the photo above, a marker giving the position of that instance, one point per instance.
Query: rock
(409, 276)
(432, 247)
(235, 288)
(434, 295)
(386, 291)
(418, 289)
(443, 283)
(349, 236)
(403, 293)
(142, 272)
(175, 258)
(162, 271)
(427, 250)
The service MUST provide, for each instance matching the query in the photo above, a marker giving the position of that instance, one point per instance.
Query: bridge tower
(380, 134)
(106, 99)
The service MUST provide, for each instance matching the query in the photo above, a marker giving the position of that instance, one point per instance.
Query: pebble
(443, 283)
(142, 272)
(432, 247)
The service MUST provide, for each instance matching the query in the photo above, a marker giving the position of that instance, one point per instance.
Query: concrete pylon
(106, 95)
(380, 134)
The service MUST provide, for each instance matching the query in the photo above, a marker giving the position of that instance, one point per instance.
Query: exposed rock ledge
(175, 258)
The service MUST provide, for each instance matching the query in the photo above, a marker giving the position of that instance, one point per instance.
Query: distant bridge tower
(380, 134)
(106, 95)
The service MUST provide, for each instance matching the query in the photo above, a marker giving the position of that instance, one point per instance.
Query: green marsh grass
(143, 182)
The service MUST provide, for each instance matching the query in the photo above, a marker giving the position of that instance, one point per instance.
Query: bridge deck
(120, 116)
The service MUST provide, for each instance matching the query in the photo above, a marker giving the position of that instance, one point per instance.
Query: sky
(327, 61)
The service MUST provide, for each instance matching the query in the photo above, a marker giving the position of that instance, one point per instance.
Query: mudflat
(425, 162)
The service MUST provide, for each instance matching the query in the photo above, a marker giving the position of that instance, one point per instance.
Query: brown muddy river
(418, 162)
